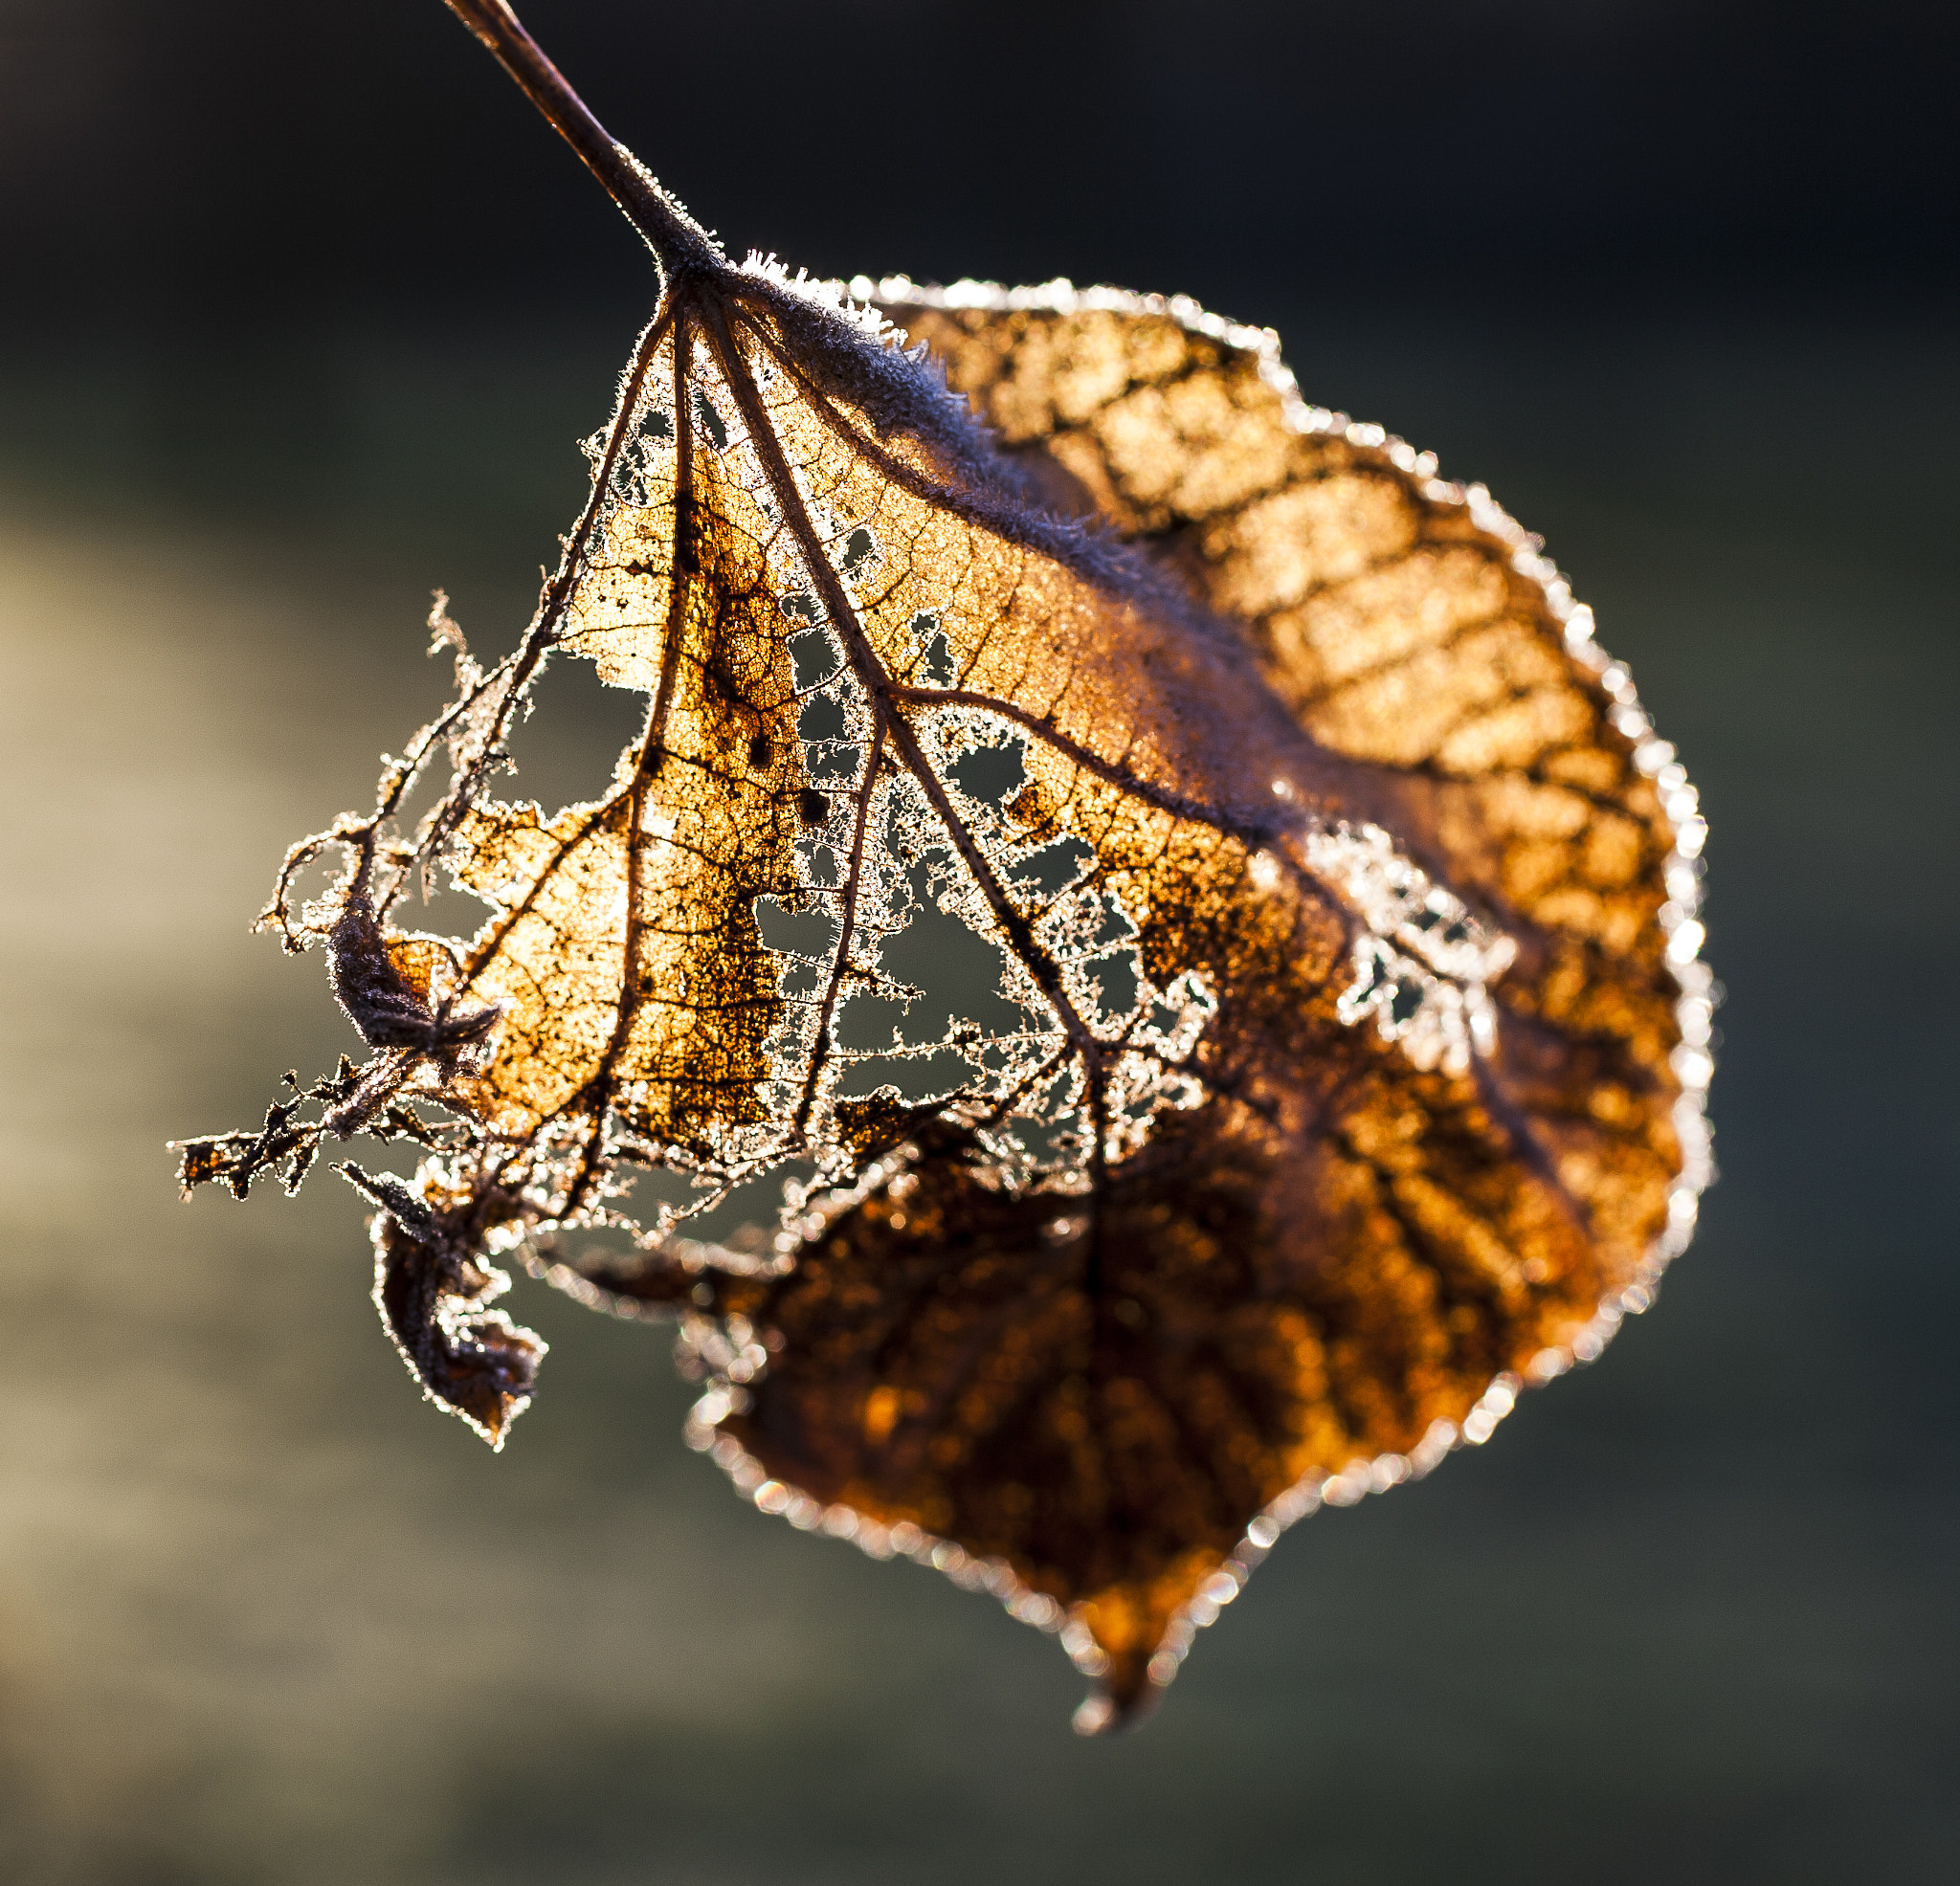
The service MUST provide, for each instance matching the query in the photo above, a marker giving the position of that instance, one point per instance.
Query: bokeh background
(303, 311)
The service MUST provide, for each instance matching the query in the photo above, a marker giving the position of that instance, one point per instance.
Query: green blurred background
(304, 314)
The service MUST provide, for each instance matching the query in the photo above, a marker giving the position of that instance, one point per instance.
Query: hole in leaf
(915, 1076)
(991, 774)
(815, 657)
(821, 719)
(752, 1206)
(1119, 980)
(795, 932)
(861, 548)
(1116, 923)
(936, 664)
(802, 980)
(957, 975)
(577, 728)
(710, 420)
(1047, 1142)
(758, 1202)
(1054, 867)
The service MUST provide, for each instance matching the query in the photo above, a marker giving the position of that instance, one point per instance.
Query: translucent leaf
(1340, 1061)
(1375, 1216)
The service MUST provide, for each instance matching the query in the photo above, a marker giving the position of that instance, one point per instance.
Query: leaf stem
(677, 241)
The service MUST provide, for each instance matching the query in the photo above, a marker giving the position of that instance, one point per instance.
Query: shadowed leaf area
(1324, 910)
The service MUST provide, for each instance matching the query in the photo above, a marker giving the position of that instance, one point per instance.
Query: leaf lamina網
(1345, 1065)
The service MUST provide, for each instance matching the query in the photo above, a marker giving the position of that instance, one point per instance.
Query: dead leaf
(1340, 899)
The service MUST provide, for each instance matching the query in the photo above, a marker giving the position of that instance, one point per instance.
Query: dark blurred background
(305, 310)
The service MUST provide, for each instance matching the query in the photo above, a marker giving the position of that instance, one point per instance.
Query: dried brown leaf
(1334, 1083)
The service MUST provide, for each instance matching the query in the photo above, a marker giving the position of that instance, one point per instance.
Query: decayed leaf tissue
(1343, 1068)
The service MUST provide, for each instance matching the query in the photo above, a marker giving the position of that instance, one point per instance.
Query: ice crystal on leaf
(1329, 1086)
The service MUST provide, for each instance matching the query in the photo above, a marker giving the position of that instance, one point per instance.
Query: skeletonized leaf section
(837, 602)
(1410, 627)
(625, 938)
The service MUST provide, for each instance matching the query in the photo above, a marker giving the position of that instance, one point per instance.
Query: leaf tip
(1124, 1697)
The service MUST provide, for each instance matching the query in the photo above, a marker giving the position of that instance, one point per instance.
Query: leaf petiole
(679, 244)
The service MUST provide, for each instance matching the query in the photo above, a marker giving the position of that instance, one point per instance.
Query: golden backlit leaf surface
(1332, 1085)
